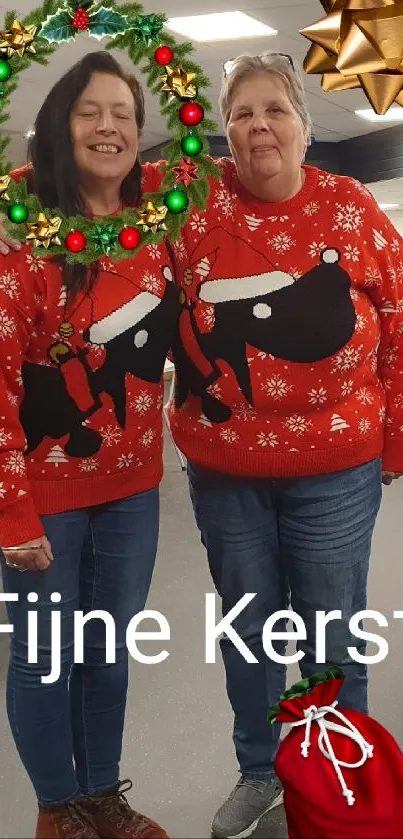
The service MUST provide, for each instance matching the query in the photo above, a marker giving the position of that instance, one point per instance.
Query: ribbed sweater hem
(271, 464)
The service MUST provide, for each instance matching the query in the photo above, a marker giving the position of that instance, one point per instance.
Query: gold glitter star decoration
(18, 40)
(4, 184)
(179, 83)
(152, 218)
(44, 231)
(359, 44)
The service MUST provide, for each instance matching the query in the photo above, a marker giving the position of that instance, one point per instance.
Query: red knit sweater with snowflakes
(81, 383)
(290, 361)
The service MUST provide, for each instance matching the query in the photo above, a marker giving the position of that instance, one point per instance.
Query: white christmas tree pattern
(338, 423)
(56, 456)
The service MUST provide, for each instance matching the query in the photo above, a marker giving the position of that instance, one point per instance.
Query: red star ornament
(186, 172)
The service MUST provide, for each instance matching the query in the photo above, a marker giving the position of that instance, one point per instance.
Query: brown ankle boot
(113, 817)
(65, 821)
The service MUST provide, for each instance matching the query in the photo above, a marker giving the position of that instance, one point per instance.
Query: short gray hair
(244, 66)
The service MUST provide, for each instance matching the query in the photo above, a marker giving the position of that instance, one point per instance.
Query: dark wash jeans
(303, 541)
(69, 733)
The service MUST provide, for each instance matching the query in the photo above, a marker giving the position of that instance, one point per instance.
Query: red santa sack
(342, 772)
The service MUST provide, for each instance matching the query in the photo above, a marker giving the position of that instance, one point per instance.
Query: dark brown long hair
(55, 178)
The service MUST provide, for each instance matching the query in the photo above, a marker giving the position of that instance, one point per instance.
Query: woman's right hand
(7, 244)
(35, 555)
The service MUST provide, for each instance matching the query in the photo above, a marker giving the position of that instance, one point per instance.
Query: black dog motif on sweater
(136, 339)
(301, 321)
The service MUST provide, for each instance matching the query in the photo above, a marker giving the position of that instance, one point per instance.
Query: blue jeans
(69, 733)
(303, 541)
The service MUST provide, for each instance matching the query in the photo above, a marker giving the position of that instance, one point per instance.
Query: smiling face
(103, 130)
(265, 133)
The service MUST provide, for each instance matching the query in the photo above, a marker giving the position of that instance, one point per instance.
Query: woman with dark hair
(82, 356)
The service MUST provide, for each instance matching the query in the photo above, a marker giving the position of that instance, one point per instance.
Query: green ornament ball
(18, 213)
(176, 200)
(5, 70)
(191, 144)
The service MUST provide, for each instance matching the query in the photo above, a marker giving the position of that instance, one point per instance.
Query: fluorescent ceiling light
(389, 206)
(392, 115)
(222, 26)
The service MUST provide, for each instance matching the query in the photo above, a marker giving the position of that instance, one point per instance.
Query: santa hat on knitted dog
(227, 268)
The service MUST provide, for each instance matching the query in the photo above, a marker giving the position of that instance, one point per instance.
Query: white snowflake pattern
(151, 283)
(365, 426)
(13, 399)
(348, 218)
(208, 317)
(280, 219)
(347, 359)
(10, 285)
(5, 436)
(400, 271)
(295, 273)
(124, 461)
(327, 180)
(399, 401)
(224, 202)
(7, 324)
(282, 242)
(347, 388)
(15, 463)
(154, 251)
(229, 436)
(90, 464)
(107, 265)
(111, 435)
(199, 223)
(390, 357)
(147, 438)
(2, 490)
(180, 250)
(317, 397)
(244, 413)
(352, 253)
(276, 387)
(399, 306)
(143, 402)
(214, 390)
(395, 246)
(316, 248)
(361, 323)
(372, 276)
(34, 262)
(311, 208)
(269, 439)
(298, 424)
(364, 396)
(382, 414)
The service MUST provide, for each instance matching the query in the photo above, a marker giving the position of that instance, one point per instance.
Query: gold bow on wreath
(359, 44)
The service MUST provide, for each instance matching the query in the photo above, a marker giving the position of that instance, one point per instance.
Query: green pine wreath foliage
(129, 28)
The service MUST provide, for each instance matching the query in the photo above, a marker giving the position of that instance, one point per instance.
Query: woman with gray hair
(288, 406)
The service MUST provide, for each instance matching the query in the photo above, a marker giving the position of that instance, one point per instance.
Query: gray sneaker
(247, 803)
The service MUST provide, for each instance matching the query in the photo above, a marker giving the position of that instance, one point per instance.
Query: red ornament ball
(129, 238)
(75, 241)
(163, 55)
(191, 113)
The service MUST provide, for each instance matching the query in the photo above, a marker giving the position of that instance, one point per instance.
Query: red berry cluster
(81, 19)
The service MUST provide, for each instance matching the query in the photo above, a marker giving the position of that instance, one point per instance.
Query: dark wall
(372, 157)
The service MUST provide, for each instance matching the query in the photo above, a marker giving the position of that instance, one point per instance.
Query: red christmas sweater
(82, 383)
(290, 359)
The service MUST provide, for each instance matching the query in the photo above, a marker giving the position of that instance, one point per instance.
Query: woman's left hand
(388, 477)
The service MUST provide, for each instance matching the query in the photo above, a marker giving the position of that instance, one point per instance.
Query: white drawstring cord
(314, 714)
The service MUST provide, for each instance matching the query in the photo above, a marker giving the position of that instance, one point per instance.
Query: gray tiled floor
(178, 748)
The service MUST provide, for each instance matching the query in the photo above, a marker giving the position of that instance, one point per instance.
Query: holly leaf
(107, 22)
(57, 28)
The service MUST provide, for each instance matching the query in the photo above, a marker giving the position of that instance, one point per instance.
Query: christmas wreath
(169, 73)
